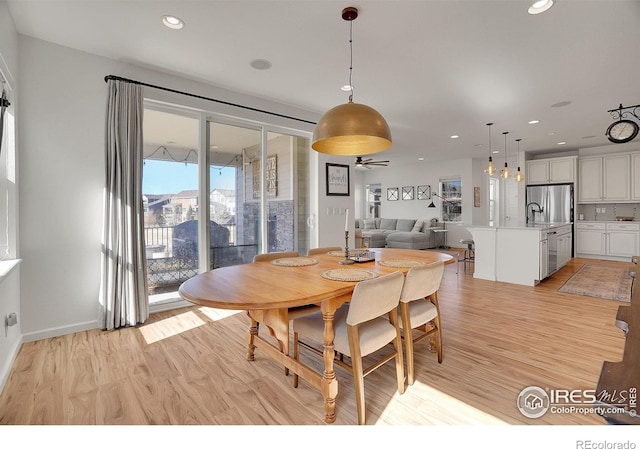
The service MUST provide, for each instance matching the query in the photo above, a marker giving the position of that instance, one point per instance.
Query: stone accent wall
(280, 225)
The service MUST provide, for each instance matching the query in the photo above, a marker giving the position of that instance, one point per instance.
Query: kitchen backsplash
(607, 211)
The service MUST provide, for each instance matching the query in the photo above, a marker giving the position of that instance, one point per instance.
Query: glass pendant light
(491, 169)
(505, 171)
(519, 177)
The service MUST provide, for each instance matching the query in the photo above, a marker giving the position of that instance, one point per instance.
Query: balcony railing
(170, 263)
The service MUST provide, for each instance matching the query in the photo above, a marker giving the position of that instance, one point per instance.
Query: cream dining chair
(419, 310)
(323, 250)
(365, 325)
(276, 255)
(293, 312)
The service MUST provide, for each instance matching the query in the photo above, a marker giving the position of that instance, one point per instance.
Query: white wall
(426, 173)
(62, 174)
(11, 337)
(331, 217)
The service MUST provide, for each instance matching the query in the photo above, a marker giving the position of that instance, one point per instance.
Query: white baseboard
(8, 363)
(59, 331)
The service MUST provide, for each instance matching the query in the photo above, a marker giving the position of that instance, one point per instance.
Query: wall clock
(622, 131)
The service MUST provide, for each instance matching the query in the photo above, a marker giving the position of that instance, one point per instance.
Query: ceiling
(432, 68)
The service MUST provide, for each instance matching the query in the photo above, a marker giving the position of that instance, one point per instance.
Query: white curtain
(124, 280)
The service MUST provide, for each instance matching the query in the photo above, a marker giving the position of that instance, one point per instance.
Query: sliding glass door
(234, 209)
(246, 194)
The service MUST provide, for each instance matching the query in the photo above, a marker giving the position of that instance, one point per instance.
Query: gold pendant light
(351, 129)
(519, 177)
(491, 169)
(505, 171)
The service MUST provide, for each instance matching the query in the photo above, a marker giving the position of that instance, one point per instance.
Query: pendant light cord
(351, 60)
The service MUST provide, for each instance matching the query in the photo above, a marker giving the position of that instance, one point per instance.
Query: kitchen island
(521, 253)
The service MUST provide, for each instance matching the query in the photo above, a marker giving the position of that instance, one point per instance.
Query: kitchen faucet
(533, 211)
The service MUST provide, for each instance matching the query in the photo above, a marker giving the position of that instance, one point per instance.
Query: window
(451, 192)
(373, 193)
(8, 189)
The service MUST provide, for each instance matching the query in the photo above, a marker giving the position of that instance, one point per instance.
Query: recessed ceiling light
(562, 143)
(455, 136)
(495, 151)
(534, 122)
(540, 6)
(561, 104)
(551, 133)
(346, 88)
(260, 64)
(421, 159)
(173, 22)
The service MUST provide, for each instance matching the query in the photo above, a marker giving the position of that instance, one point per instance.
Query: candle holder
(346, 260)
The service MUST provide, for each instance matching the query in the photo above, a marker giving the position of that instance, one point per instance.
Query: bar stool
(469, 254)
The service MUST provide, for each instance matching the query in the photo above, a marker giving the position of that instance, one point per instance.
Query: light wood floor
(188, 366)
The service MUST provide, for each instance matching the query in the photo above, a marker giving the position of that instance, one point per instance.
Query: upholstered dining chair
(323, 250)
(419, 310)
(293, 312)
(365, 325)
(276, 255)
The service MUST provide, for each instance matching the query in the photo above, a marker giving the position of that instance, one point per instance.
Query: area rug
(600, 281)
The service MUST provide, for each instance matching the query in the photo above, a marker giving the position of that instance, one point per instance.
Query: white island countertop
(524, 225)
(511, 252)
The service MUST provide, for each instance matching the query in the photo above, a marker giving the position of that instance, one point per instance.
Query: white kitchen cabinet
(590, 178)
(604, 179)
(614, 241)
(635, 177)
(550, 171)
(590, 239)
(564, 248)
(623, 239)
(544, 259)
(616, 178)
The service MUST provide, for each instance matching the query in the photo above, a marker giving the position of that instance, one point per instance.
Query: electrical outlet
(11, 319)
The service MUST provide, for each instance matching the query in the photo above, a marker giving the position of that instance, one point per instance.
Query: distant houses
(173, 209)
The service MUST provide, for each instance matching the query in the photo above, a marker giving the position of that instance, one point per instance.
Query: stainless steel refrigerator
(552, 203)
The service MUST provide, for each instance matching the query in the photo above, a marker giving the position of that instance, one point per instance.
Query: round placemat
(348, 275)
(401, 263)
(294, 261)
(352, 253)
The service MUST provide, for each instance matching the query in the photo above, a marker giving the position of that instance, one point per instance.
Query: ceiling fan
(367, 162)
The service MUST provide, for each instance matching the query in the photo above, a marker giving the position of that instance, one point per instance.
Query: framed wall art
(407, 193)
(424, 192)
(392, 194)
(476, 197)
(337, 180)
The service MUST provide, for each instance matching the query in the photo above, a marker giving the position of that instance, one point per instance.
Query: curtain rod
(118, 78)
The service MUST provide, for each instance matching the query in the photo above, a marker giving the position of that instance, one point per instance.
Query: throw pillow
(405, 224)
(388, 224)
(418, 226)
(369, 223)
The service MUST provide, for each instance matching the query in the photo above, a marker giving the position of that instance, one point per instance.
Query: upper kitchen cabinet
(551, 171)
(635, 177)
(604, 178)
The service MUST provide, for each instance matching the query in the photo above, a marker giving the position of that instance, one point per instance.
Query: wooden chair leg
(436, 321)
(397, 344)
(356, 368)
(408, 341)
(296, 356)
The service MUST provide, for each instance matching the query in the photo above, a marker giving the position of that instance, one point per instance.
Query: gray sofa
(405, 233)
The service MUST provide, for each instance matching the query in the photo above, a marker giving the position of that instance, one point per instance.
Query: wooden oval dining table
(269, 291)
